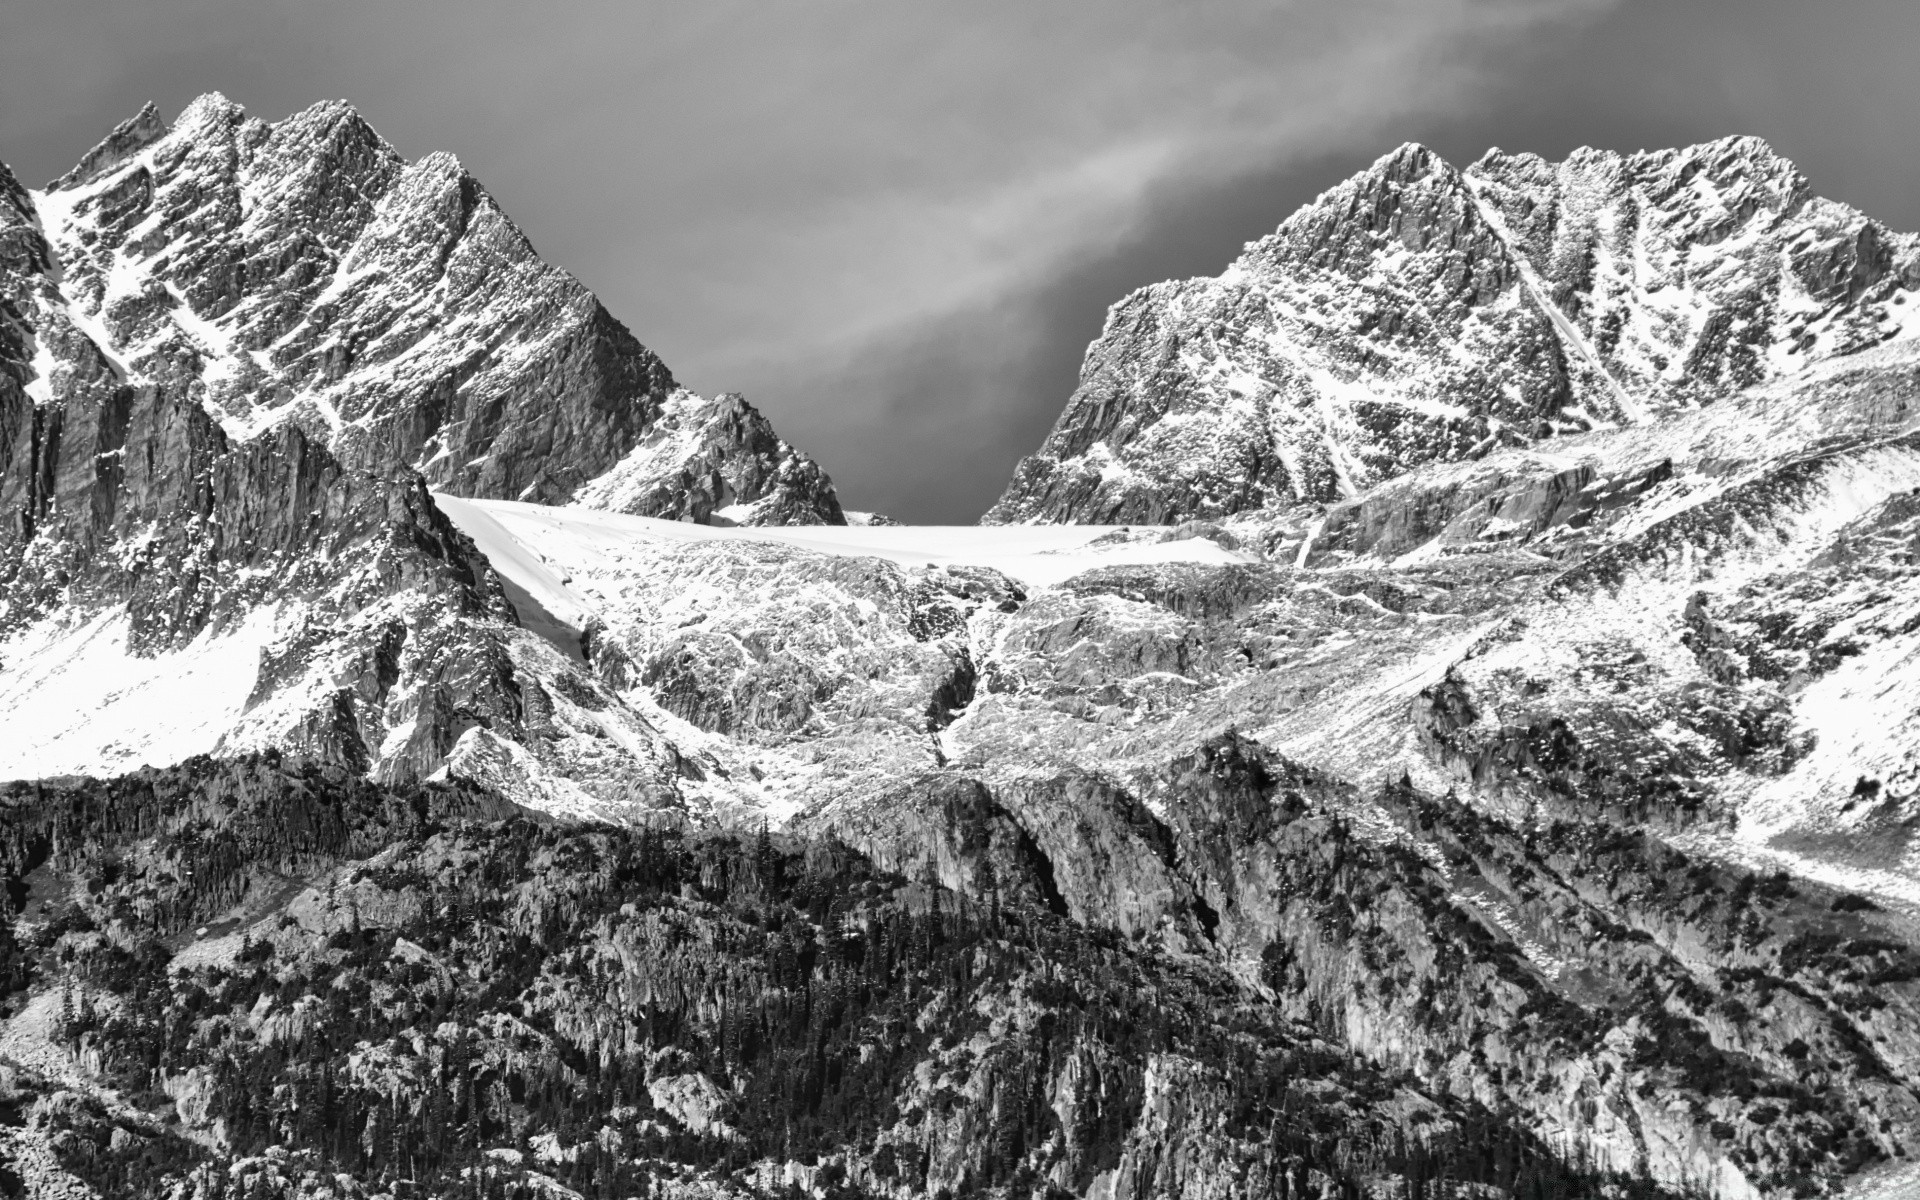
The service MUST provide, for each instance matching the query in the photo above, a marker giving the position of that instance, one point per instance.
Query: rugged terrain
(234, 358)
(1419, 313)
(455, 761)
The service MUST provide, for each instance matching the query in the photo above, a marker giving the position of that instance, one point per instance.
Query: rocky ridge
(1421, 313)
(302, 271)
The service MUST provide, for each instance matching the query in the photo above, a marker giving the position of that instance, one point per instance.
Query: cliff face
(1419, 313)
(235, 357)
(302, 272)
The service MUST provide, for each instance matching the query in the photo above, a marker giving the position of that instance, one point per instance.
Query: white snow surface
(73, 700)
(545, 550)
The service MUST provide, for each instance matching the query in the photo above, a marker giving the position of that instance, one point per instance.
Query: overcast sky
(896, 225)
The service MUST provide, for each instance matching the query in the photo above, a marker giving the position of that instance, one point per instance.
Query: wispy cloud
(937, 161)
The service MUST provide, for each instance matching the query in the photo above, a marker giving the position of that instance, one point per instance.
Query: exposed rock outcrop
(1419, 313)
(303, 272)
(715, 462)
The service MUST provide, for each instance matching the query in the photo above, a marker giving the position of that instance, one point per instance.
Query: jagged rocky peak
(129, 137)
(303, 271)
(1418, 313)
(235, 356)
(1411, 198)
(716, 462)
(1694, 273)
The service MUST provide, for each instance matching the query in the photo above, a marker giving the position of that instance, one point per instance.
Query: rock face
(1418, 313)
(715, 462)
(303, 273)
(234, 359)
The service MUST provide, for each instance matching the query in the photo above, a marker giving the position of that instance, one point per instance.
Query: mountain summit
(302, 273)
(235, 359)
(1418, 313)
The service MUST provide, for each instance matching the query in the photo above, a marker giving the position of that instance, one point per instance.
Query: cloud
(990, 144)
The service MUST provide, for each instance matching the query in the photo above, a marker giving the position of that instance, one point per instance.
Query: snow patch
(552, 552)
(73, 700)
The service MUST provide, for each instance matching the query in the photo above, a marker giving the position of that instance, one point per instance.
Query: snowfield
(73, 701)
(554, 554)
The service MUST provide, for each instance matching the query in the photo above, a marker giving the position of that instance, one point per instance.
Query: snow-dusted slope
(75, 700)
(231, 354)
(1418, 313)
(818, 663)
(715, 462)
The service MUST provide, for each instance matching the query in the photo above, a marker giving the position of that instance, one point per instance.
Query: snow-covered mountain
(302, 273)
(1631, 403)
(1482, 765)
(1419, 313)
(235, 356)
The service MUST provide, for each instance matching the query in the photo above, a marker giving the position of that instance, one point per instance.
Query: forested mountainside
(453, 761)
(279, 980)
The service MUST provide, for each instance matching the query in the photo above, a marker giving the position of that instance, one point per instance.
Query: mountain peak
(1377, 187)
(1735, 156)
(128, 138)
(1744, 146)
(331, 122)
(1416, 313)
(442, 165)
(326, 112)
(1410, 160)
(209, 108)
(1410, 196)
(301, 271)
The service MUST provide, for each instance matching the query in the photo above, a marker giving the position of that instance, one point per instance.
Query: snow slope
(545, 550)
(74, 701)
